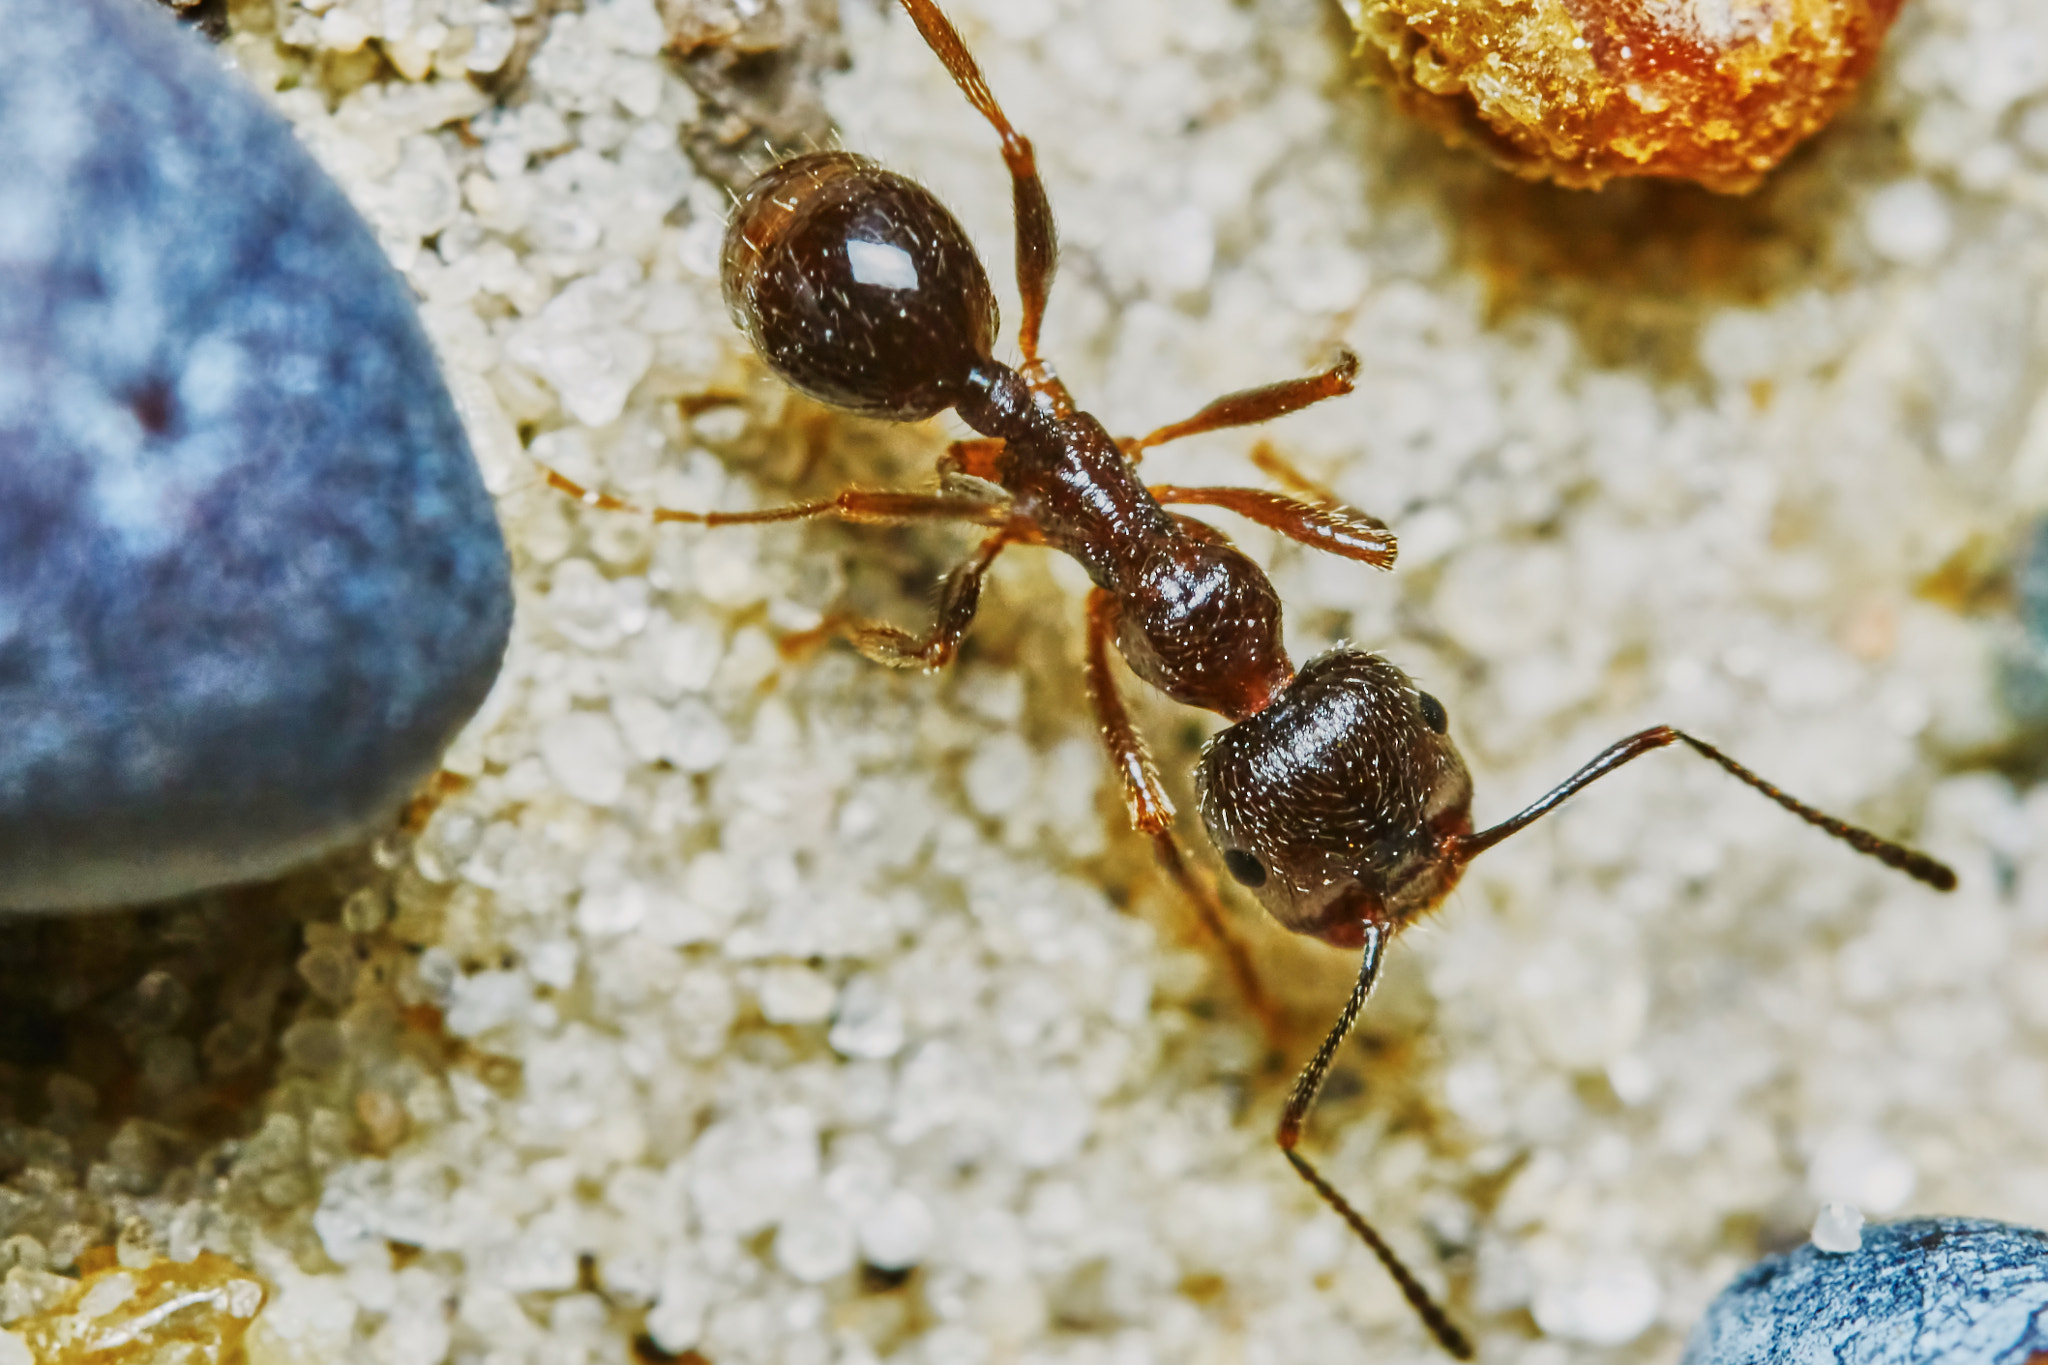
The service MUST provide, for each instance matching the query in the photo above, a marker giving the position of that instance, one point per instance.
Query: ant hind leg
(871, 506)
(1037, 241)
(885, 644)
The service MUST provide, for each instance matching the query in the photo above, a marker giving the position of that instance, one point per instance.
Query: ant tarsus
(1334, 796)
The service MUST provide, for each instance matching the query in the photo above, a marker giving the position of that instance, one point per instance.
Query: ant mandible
(1335, 794)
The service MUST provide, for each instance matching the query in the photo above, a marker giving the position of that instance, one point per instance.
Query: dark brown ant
(1335, 795)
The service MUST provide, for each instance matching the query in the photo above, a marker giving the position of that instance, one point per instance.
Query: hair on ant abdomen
(1335, 796)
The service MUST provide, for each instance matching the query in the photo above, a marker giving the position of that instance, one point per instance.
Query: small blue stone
(250, 581)
(2023, 656)
(1932, 1291)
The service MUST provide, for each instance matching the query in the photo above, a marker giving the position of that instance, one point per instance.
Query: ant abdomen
(858, 287)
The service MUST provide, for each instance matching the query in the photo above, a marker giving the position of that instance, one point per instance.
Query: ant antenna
(1463, 848)
(1303, 1099)
(1242, 782)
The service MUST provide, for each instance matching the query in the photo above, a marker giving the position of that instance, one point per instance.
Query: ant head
(857, 286)
(1333, 804)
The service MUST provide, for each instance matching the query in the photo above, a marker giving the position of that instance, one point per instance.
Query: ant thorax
(1201, 622)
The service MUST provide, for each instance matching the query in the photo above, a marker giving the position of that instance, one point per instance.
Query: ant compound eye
(1248, 870)
(1433, 713)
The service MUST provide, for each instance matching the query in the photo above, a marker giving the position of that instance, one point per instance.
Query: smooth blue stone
(250, 581)
(2023, 651)
(1932, 1291)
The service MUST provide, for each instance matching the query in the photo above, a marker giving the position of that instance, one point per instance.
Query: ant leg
(977, 459)
(959, 596)
(851, 504)
(1037, 241)
(1249, 407)
(1151, 809)
(1303, 1098)
(1145, 796)
(1277, 467)
(1330, 527)
(1464, 847)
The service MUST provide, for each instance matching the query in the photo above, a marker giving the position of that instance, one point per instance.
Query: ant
(1335, 795)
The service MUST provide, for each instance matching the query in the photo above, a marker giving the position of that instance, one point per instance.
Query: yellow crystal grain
(169, 1313)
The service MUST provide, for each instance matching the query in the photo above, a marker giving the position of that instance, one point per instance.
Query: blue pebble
(1957, 1291)
(2023, 656)
(250, 581)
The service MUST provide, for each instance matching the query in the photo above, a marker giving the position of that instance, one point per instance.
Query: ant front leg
(1150, 808)
(1145, 796)
(1303, 1098)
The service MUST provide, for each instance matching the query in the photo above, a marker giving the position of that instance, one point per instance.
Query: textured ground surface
(728, 976)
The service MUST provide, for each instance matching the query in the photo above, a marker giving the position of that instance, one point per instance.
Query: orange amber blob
(1580, 91)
